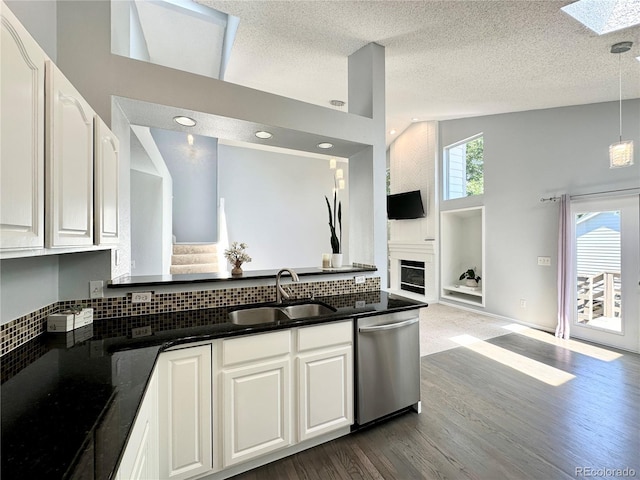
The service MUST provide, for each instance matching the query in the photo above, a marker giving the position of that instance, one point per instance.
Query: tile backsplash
(21, 330)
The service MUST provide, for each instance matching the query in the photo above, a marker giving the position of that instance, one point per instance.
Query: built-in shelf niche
(462, 247)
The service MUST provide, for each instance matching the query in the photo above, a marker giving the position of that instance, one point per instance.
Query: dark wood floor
(484, 420)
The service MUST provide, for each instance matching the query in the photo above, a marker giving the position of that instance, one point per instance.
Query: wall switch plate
(544, 261)
(523, 303)
(96, 289)
(359, 280)
(141, 297)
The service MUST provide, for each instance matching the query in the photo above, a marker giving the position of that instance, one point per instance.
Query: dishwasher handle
(388, 326)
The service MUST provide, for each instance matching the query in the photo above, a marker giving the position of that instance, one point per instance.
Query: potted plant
(470, 277)
(236, 256)
(335, 219)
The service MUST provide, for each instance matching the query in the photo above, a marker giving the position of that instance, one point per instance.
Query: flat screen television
(404, 206)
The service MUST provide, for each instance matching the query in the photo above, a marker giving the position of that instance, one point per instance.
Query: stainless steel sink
(272, 314)
(255, 316)
(307, 310)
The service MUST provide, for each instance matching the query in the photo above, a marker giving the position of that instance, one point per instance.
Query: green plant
(470, 275)
(333, 216)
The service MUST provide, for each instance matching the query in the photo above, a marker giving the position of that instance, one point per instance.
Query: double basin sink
(278, 313)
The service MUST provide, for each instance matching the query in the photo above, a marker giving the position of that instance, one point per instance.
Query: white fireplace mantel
(423, 251)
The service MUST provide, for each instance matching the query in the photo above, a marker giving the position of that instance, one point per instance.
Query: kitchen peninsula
(70, 400)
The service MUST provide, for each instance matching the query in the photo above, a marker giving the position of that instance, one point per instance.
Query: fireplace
(412, 276)
(412, 270)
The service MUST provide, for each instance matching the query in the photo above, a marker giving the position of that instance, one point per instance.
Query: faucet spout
(281, 293)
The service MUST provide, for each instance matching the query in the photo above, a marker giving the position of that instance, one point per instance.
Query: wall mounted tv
(404, 206)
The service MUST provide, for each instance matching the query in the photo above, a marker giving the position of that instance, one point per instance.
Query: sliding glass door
(606, 246)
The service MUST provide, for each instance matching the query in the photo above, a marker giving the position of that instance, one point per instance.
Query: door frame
(629, 206)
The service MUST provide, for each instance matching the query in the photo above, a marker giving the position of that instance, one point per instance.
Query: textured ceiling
(444, 59)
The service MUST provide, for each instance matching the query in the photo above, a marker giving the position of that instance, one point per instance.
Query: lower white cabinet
(140, 458)
(325, 378)
(244, 402)
(184, 406)
(256, 386)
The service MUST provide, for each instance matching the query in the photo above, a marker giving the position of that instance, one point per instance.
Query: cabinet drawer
(255, 347)
(325, 335)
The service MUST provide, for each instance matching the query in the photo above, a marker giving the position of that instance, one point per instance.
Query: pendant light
(621, 152)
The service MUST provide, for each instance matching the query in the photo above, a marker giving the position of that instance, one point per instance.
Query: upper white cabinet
(107, 171)
(22, 74)
(185, 409)
(462, 248)
(256, 382)
(325, 378)
(69, 165)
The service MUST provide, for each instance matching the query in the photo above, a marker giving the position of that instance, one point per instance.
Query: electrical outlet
(359, 280)
(544, 261)
(96, 289)
(523, 303)
(360, 304)
(141, 297)
(141, 332)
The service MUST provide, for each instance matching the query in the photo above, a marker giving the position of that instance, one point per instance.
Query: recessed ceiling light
(185, 121)
(604, 17)
(415, 119)
(325, 145)
(392, 131)
(263, 134)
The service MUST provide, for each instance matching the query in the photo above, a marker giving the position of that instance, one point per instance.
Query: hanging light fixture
(621, 152)
(332, 164)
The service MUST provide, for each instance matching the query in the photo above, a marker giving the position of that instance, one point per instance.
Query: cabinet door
(69, 165)
(22, 132)
(185, 405)
(106, 183)
(257, 410)
(140, 457)
(325, 391)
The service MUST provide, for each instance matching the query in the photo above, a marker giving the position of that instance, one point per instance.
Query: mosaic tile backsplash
(21, 330)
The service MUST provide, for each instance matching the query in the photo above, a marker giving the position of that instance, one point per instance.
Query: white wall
(413, 158)
(274, 203)
(39, 18)
(27, 285)
(529, 155)
(146, 223)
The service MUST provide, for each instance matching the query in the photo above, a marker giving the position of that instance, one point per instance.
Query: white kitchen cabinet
(256, 384)
(107, 172)
(22, 74)
(140, 458)
(325, 378)
(69, 163)
(185, 406)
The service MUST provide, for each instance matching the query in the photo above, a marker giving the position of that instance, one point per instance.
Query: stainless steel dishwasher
(387, 364)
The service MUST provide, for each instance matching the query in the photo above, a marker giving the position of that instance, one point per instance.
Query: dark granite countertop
(160, 280)
(69, 399)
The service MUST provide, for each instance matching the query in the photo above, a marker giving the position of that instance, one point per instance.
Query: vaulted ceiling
(444, 59)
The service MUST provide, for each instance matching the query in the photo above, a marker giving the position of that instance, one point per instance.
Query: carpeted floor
(438, 323)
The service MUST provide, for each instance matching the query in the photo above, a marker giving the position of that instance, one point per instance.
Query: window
(463, 168)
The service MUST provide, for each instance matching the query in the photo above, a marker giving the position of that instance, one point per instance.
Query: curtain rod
(555, 199)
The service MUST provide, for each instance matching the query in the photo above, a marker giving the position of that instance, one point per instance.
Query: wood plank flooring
(483, 420)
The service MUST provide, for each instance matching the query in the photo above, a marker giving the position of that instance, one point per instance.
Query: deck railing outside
(598, 296)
